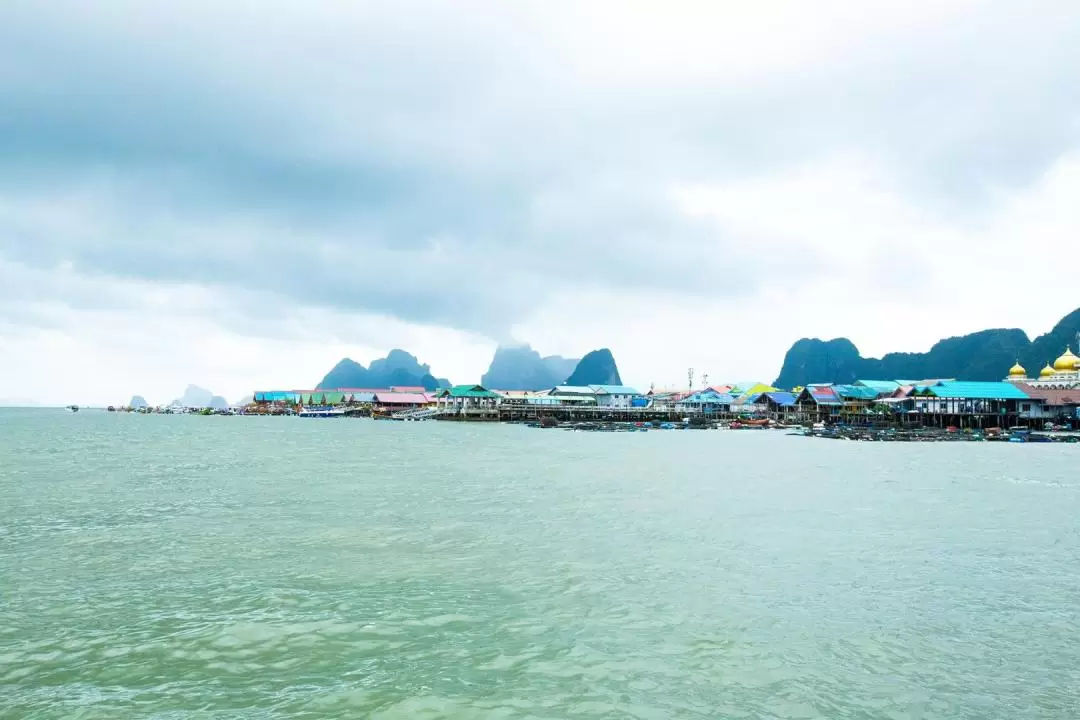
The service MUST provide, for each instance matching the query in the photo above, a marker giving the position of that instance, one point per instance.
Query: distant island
(981, 356)
(397, 369)
(596, 368)
(522, 368)
(511, 368)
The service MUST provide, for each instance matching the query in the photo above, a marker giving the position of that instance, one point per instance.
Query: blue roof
(966, 390)
(783, 399)
(613, 390)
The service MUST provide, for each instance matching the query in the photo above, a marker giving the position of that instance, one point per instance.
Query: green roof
(468, 391)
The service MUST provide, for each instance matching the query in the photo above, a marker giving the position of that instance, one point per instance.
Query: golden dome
(1046, 371)
(1017, 370)
(1067, 362)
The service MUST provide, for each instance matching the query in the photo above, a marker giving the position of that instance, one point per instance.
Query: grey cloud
(460, 176)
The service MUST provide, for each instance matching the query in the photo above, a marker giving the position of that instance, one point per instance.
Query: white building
(1064, 374)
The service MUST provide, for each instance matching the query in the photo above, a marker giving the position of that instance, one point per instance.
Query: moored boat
(321, 412)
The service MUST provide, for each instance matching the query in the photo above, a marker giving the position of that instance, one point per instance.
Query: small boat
(73, 408)
(321, 412)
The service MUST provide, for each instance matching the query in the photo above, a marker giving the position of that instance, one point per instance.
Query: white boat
(321, 412)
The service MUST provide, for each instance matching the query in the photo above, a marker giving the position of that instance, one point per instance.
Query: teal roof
(855, 392)
(965, 390)
(881, 386)
(470, 391)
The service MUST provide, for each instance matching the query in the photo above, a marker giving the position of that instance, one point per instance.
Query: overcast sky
(239, 194)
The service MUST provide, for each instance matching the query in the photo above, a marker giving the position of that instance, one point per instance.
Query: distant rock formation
(398, 368)
(195, 397)
(596, 368)
(984, 355)
(218, 403)
(522, 368)
(560, 367)
(245, 401)
(138, 402)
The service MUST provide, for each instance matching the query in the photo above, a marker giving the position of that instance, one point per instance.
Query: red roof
(398, 398)
(1051, 396)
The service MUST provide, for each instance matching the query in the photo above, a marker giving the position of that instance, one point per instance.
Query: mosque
(1064, 374)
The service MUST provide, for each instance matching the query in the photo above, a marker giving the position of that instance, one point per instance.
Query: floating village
(1044, 407)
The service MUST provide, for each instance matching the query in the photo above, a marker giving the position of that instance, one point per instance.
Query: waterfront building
(855, 399)
(617, 396)
(533, 398)
(1063, 374)
(818, 403)
(1055, 405)
(469, 400)
(389, 401)
(707, 401)
(609, 396)
(778, 405)
(283, 397)
(666, 398)
(969, 404)
(322, 398)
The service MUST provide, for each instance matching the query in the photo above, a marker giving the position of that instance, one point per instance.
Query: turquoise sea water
(176, 567)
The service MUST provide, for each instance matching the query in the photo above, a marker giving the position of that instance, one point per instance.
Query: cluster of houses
(460, 399)
(1051, 398)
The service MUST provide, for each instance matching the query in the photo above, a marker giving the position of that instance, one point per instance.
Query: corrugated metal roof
(1052, 396)
(856, 392)
(363, 397)
(408, 388)
(759, 388)
(883, 387)
(968, 390)
(781, 398)
(823, 394)
(572, 390)
(614, 390)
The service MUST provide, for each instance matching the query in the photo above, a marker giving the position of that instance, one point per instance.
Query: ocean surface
(229, 567)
